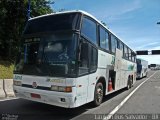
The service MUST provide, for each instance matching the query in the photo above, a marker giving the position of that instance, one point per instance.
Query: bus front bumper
(60, 99)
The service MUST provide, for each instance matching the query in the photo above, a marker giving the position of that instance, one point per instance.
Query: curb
(8, 87)
(2, 93)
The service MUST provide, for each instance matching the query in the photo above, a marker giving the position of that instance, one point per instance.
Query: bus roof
(82, 12)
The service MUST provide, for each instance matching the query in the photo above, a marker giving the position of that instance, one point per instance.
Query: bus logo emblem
(34, 85)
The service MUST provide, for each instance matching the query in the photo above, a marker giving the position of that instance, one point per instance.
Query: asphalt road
(144, 101)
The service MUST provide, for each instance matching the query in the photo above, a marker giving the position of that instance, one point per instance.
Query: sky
(133, 21)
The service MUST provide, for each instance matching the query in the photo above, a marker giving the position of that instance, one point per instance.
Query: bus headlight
(17, 83)
(61, 88)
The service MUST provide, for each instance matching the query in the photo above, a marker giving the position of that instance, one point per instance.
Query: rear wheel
(98, 94)
(132, 81)
(129, 83)
(146, 74)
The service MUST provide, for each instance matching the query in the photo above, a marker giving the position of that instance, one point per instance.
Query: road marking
(8, 99)
(122, 103)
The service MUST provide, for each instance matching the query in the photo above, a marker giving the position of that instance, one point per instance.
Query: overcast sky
(133, 21)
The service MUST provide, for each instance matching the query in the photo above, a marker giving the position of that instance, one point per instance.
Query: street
(145, 100)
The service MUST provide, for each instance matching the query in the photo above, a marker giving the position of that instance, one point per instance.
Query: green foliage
(13, 15)
(39, 7)
(6, 70)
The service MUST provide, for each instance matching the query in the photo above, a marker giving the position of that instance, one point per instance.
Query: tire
(98, 94)
(146, 74)
(132, 82)
(129, 83)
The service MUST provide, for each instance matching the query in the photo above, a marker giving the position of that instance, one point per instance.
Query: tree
(13, 19)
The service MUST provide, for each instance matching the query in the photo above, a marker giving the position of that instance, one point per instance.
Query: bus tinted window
(118, 42)
(133, 56)
(93, 61)
(126, 52)
(129, 53)
(89, 30)
(113, 44)
(102, 38)
(84, 63)
(121, 48)
(52, 23)
(107, 41)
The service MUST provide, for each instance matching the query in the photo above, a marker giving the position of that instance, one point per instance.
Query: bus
(142, 68)
(154, 66)
(68, 59)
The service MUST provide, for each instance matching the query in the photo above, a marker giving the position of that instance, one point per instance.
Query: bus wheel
(98, 94)
(132, 81)
(129, 83)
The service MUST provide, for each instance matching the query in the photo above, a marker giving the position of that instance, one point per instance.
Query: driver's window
(83, 58)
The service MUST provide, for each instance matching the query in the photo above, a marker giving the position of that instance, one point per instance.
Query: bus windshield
(52, 23)
(51, 55)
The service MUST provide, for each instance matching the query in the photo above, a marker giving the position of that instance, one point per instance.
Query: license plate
(33, 95)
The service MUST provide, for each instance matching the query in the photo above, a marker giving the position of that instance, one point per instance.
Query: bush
(6, 69)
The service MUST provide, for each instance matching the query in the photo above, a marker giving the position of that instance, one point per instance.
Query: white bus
(68, 59)
(142, 68)
(154, 66)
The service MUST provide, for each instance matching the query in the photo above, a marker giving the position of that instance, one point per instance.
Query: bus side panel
(117, 68)
(105, 64)
(81, 90)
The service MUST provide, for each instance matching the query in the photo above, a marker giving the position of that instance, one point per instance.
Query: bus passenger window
(113, 44)
(102, 38)
(83, 59)
(121, 48)
(130, 56)
(107, 41)
(89, 30)
(126, 52)
(93, 60)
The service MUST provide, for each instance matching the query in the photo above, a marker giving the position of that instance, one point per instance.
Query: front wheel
(98, 94)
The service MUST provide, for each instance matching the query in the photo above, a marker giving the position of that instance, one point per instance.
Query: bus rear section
(142, 68)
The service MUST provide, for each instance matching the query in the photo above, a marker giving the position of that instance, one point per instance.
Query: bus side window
(129, 53)
(125, 52)
(113, 44)
(102, 38)
(121, 48)
(93, 59)
(83, 58)
(118, 44)
(132, 56)
(89, 30)
(107, 41)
